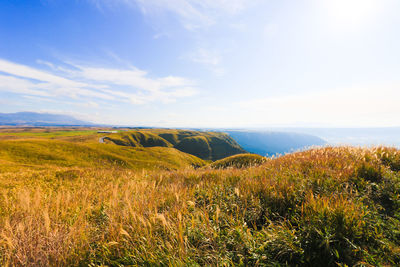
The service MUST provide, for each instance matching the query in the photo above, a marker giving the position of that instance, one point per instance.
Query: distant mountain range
(267, 143)
(39, 119)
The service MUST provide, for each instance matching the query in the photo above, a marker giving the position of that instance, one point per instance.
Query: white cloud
(31, 73)
(130, 77)
(161, 35)
(16, 85)
(205, 56)
(211, 59)
(192, 14)
(91, 83)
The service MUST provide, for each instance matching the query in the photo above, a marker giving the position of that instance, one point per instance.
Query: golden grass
(310, 208)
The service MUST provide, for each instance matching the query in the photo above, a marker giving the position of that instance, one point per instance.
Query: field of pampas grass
(322, 207)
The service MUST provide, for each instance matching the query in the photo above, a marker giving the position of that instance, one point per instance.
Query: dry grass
(322, 207)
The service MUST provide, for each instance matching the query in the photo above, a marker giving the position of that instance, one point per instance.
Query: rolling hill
(205, 145)
(44, 154)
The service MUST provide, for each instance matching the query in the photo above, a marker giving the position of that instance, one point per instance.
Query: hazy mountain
(271, 143)
(39, 119)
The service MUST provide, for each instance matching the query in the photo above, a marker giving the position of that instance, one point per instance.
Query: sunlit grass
(322, 207)
(47, 154)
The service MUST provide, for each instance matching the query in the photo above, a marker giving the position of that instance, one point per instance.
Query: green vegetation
(239, 161)
(65, 203)
(138, 139)
(196, 145)
(50, 153)
(205, 145)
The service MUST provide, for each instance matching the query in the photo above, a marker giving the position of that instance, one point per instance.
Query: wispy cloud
(193, 14)
(205, 56)
(130, 85)
(211, 59)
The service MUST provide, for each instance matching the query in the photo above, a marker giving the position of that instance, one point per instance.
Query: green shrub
(239, 161)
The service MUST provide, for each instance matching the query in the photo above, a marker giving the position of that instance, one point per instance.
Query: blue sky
(203, 63)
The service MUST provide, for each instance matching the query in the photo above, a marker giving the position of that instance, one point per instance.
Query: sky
(203, 63)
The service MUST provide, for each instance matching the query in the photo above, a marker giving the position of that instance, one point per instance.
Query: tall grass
(322, 207)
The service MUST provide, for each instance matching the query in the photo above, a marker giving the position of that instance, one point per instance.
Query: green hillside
(205, 145)
(47, 153)
(196, 145)
(138, 139)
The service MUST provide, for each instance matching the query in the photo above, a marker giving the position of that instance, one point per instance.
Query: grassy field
(65, 203)
(46, 154)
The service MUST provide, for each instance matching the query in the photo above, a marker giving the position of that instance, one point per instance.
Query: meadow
(331, 206)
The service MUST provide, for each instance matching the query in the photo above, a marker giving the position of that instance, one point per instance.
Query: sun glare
(351, 14)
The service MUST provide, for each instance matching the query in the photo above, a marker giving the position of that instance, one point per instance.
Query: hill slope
(56, 153)
(205, 145)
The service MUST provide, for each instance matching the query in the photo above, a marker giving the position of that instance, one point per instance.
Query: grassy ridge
(322, 207)
(138, 139)
(48, 153)
(196, 145)
(205, 145)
